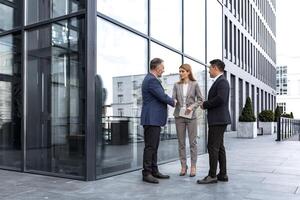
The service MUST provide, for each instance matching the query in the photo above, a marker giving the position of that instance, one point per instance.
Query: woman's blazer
(193, 98)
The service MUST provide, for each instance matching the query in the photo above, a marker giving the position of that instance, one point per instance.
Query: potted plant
(247, 126)
(266, 122)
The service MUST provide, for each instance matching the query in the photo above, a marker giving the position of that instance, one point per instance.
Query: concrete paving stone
(43, 195)
(6, 191)
(259, 195)
(258, 169)
(284, 180)
(288, 170)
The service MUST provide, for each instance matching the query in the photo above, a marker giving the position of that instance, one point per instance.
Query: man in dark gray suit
(218, 118)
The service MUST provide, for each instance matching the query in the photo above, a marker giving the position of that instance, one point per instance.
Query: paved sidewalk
(258, 169)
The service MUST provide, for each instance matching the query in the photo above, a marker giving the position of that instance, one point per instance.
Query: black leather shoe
(223, 178)
(208, 180)
(160, 175)
(150, 179)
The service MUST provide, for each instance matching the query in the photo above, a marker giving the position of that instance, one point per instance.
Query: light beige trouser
(184, 125)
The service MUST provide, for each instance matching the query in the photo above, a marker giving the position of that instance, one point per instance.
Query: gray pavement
(258, 169)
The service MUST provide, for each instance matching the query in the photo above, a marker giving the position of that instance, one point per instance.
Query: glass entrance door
(55, 138)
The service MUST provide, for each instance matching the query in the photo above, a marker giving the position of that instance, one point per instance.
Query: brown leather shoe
(208, 180)
(150, 179)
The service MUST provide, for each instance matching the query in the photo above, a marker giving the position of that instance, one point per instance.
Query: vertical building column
(90, 115)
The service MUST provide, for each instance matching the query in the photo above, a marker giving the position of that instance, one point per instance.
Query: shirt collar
(214, 79)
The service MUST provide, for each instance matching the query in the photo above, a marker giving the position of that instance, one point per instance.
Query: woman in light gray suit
(188, 96)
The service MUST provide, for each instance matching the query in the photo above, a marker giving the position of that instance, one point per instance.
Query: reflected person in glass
(154, 115)
(188, 96)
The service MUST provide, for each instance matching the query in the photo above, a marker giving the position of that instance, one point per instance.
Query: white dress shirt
(214, 79)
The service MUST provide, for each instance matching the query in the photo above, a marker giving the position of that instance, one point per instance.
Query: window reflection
(133, 13)
(38, 10)
(214, 28)
(10, 14)
(55, 81)
(194, 28)
(121, 65)
(10, 101)
(166, 21)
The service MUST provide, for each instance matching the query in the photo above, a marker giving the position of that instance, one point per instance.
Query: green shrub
(266, 116)
(247, 112)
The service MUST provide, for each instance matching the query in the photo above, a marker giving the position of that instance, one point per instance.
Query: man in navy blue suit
(154, 115)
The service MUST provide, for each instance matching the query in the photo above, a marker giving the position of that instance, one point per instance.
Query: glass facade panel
(116, 9)
(166, 21)
(10, 14)
(38, 10)
(199, 74)
(121, 68)
(10, 101)
(214, 30)
(194, 26)
(55, 140)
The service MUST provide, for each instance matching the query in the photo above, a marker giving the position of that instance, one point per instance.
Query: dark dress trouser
(216, 149)
(151, 138)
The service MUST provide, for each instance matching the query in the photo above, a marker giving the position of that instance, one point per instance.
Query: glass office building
(71, 74)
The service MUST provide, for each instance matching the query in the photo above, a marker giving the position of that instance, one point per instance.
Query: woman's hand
(188, 111)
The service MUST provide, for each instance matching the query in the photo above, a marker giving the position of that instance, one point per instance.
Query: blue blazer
(154, 109)
(217, 103)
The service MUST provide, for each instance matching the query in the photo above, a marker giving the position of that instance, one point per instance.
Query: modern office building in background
(287, 88)
(71, 72)
(250, 54)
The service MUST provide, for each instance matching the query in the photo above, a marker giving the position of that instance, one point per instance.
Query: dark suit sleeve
(220, 98)
(156, 90)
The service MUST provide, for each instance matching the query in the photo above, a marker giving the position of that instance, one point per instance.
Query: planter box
(247, 130)
(269, 128)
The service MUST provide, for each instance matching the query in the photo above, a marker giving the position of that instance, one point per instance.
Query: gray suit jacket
(193, 100)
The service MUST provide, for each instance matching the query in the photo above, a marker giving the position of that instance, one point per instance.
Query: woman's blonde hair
(187, 68)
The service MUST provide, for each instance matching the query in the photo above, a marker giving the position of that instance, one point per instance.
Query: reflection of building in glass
(288, 93)
(127, 101)
(132, 94)
(250, 54)
(127, 97)
(5, 103)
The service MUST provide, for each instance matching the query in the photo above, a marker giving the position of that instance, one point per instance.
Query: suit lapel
(189, 89)
(180, 88)
(157, 80)
(215, 82)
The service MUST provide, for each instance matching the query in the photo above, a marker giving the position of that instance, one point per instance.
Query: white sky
(288, 34)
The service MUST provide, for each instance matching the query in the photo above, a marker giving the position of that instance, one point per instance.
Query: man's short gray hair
(155, 62)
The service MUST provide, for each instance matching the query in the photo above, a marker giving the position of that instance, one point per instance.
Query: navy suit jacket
(154, 109)
(217, 103)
